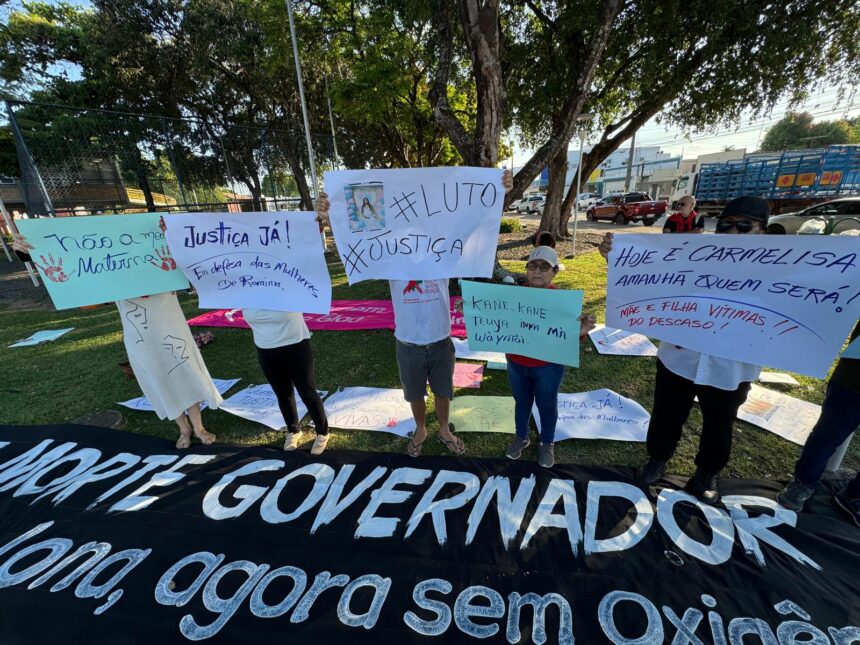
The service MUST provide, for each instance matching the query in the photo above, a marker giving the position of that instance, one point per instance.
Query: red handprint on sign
(391, 422)
(167, 261)
(53, 270)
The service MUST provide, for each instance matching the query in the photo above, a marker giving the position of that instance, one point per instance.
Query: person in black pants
(284, 349)
(721, 384)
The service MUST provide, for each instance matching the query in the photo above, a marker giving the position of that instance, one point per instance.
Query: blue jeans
(536, 384)
(840, 416)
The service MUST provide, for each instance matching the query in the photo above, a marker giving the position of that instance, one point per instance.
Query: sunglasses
(543, 267)
(742, 227)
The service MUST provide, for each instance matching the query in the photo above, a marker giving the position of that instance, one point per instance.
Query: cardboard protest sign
(258, 403)
(617, 342)
(784, 301)
(250, 544)
(102, 258)
(416, 223)
(370, 408)
(789, 417)
(599, 414)
(261, 260)
(483, 414)
(142, 404)
(538, 323)
(779, 378)
(44, 336)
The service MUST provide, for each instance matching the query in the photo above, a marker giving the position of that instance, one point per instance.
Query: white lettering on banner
(416, 223)
(783, 301)
(33, 473)
(255, 260)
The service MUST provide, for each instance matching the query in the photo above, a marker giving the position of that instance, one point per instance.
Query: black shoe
(651, 471)
(795, 495)
(850, 506)
(703, 485)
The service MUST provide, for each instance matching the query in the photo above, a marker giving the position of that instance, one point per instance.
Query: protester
(721, 385)
(537, 382)
(685, 219)
(840, 417)
(284, 350)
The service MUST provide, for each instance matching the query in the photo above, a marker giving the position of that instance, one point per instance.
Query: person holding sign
(721, 385)
(685, 219)
(284, 350)
(165, 359)
(536, 382)
(840, 417)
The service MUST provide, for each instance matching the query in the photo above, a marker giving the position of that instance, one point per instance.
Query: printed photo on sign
(416, 223)
(782, 301)
(787, 416)
(365, 204)
(101, 258)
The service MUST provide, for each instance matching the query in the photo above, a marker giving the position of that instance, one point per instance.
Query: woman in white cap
(537, 382)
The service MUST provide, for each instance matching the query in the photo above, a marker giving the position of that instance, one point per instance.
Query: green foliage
(510, 225)
(796, 130)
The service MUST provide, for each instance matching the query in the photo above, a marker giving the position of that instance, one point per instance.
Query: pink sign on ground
(468, 375)
(345, 315)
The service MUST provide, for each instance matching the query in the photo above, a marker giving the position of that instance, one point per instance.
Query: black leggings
(288, 366)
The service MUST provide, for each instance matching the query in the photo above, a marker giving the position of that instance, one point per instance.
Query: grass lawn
(78, 375)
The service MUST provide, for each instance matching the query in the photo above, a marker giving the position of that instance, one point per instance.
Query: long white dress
(164, 356)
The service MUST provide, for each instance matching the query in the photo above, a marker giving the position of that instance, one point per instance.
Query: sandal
(206, 438)
(455, 445)
(414, 449)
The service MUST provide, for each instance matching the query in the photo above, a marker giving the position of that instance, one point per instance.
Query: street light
(582, 122)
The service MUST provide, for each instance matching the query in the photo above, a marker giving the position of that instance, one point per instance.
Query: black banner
(113, 537)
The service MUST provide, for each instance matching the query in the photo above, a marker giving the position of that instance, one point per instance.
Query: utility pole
(630, 164)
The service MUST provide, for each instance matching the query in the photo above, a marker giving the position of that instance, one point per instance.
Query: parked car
(837, 209)
(585, 200)
(626, 208)
(530, 204)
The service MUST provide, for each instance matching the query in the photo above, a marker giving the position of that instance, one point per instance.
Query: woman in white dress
(165, 359)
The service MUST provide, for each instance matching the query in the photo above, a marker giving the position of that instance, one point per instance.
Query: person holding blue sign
(721, 385)
(536, 382)
(840, 417)
(164, 357)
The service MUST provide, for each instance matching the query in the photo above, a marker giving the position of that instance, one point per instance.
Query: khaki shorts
(420, 364)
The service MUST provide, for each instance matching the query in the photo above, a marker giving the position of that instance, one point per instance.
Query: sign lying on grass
(142, 404)
(787, 416)
(263, 260)
(618, 342)
(120, 534)
(538, 323)
(258, 403)
(483, 414)
(40, 337)
(370, 408)
(416, 223)
(103, 258)
(599, 414)
(785, 301)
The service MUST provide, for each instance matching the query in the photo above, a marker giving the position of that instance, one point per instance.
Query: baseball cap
(753, 207)
(545, 253)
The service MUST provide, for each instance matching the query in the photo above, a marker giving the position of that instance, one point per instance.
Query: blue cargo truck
(790, 180)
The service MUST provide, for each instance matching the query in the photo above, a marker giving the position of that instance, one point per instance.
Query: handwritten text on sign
(263, 260)
(416, 224)
(539, 323)
(784, 301)
(91, 260)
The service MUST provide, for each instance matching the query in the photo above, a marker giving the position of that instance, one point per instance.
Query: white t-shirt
(422, 310)
(276, 328)
(704, 369)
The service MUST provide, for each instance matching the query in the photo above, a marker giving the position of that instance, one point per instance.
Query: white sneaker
(320, 443)
(292, 441)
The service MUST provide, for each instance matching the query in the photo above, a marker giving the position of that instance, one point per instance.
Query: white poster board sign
(416, 223)
(259, 260)
(783, 415)
(142, 404)
(370, 408)
(599, 414)
(258, 403)
(462, 350)
(618, 342)
(45, 336)
(785, 301)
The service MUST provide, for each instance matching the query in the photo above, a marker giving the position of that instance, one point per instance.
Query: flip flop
(414, 449)
(456, 445)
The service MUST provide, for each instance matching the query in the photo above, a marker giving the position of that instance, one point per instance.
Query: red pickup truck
(626, 208)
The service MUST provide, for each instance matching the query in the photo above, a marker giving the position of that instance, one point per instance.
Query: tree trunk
(307, 202)
(589, 165)
(551, 220)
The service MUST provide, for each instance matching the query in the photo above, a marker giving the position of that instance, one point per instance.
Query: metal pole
(578, 187)
(302, 97)
(331, 122)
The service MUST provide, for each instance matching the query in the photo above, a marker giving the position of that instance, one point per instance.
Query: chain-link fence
(77, 161)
